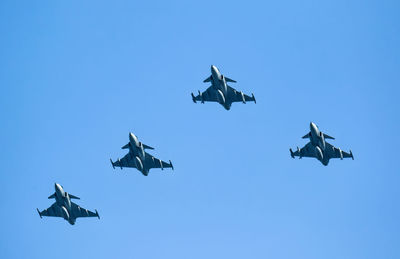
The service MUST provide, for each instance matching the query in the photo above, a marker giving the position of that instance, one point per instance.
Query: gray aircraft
(319, 148)
(64, 208)
(220, 92)
(138, 158)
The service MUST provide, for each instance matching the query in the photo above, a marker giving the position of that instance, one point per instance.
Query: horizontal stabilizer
(126, 146)
(73, 197)
(307, 135)
(328, 137)
(52, 196)
(227, 79)
(147, 147)
(208, 79)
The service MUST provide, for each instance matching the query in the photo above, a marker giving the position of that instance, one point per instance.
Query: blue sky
(76, 77)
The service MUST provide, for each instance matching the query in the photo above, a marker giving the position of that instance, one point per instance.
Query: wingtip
(255, 101)
(291, 153)
(112, 163)
(172, 166)
(97, 214)
(351, 154)
(39, 212)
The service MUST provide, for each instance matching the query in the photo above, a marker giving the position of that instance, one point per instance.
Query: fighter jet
(64, 208)
(220, 92)
(319, 148)
(138, 158)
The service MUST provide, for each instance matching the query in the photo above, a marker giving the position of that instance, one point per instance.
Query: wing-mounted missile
(97, 214)
(298, 150)
(40, 214)
(340, 154)
(112, 163)
(351, 154)
(193, 98)
(242, 95)
(291, 153)
(119, 162)
(170, 163)
(254, 99)
(201, 97)
(161, 165)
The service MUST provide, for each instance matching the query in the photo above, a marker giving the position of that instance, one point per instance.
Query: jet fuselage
(317, 138)
(220, 86)
(63, 201)
(136, 147)
(136, 150)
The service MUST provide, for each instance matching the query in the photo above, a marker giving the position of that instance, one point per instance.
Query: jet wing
(52, 211)
(334, 152)
(79, 212)
(237, 96)
(307, 151)
(208, 95)
(126, 161)
(152, 162)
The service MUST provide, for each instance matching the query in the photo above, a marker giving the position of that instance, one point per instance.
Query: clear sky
(77, 76)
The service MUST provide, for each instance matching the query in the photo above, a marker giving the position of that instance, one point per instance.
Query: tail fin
(307, 135)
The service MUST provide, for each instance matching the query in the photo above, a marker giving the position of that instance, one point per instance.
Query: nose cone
(132, 137)
(313, 127)
(57, 187)
(214, 69)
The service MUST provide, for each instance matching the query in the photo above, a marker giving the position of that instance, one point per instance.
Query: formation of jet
(138, 158)
(65, 208)
(220, 92)
(319, 148)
